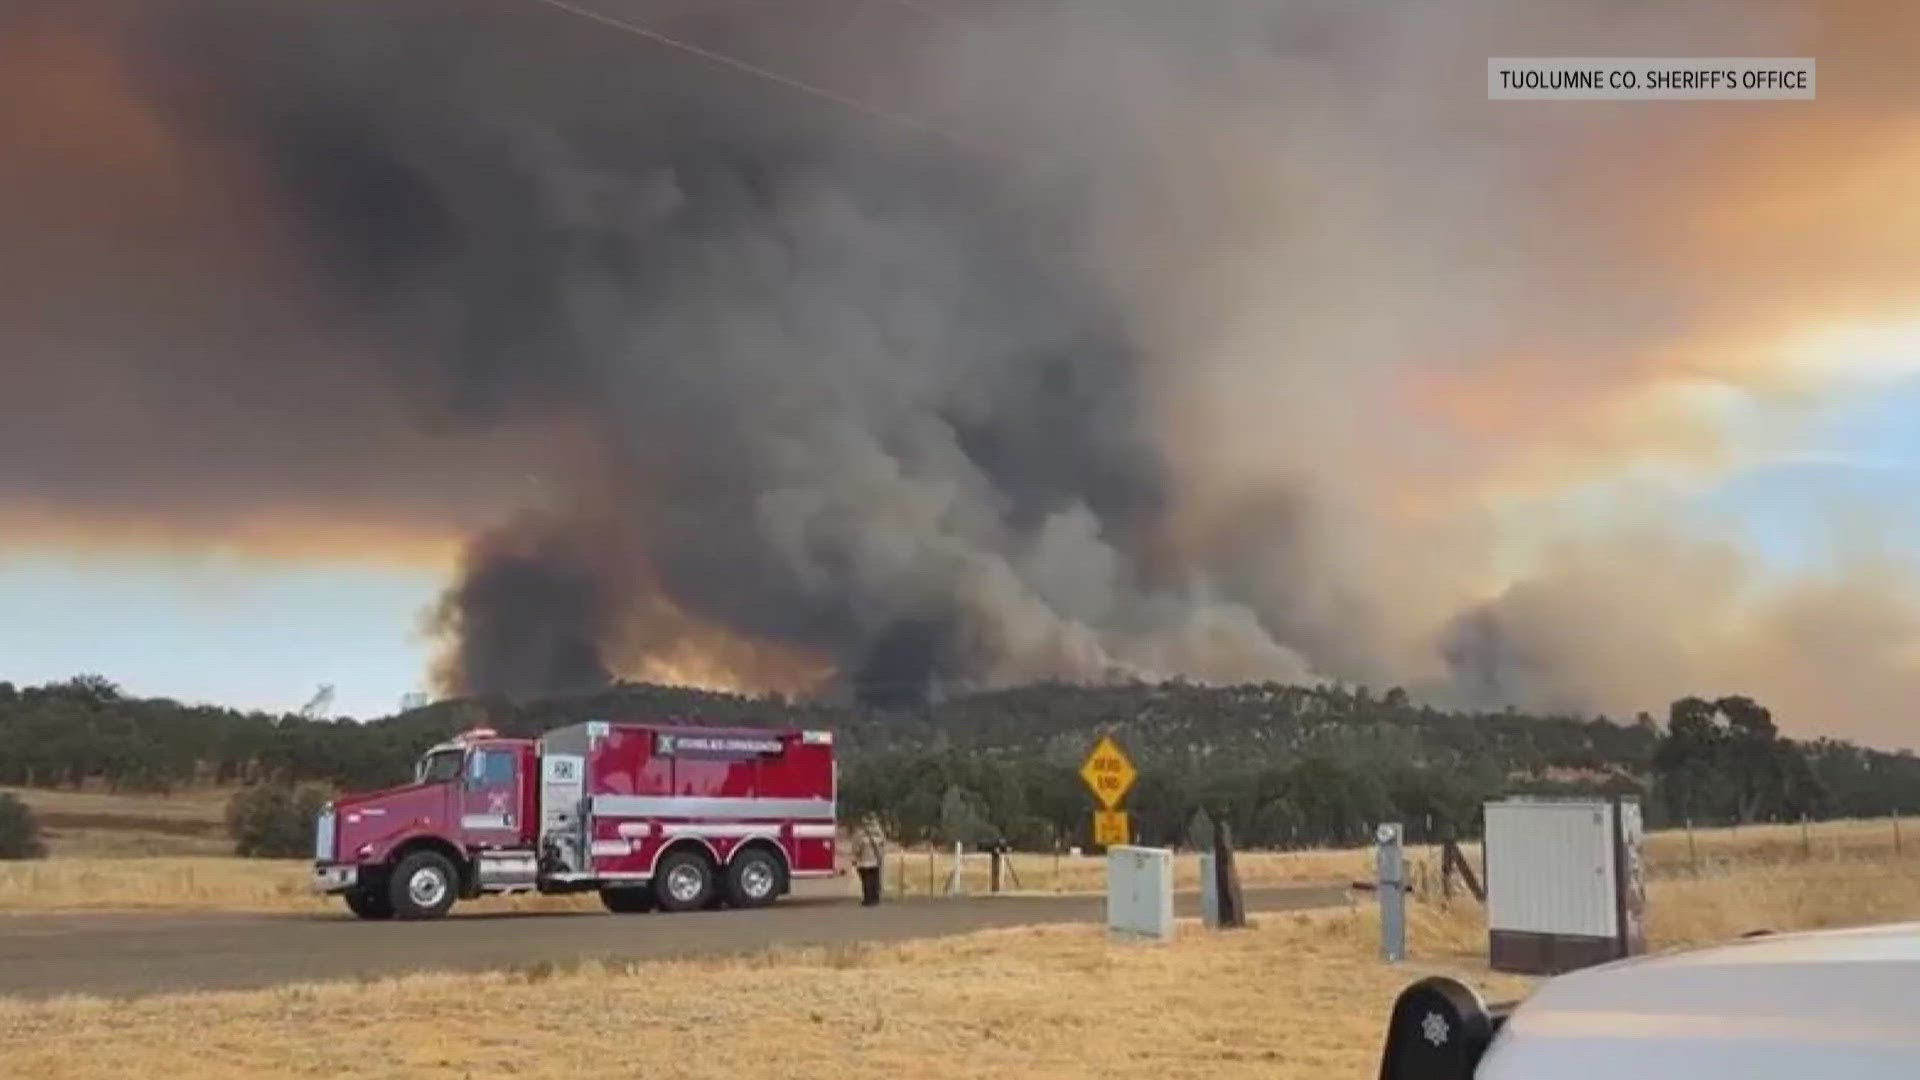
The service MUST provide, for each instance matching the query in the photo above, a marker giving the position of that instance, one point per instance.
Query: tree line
(1288, 766)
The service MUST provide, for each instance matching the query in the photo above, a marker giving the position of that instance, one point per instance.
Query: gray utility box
(1565, 888)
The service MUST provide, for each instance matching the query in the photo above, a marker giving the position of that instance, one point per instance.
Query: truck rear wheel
(753, 878)
(627, 901)
(683, 881)
(423, 886)
(369, 903)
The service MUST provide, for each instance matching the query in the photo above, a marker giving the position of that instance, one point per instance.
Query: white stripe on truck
(688, 806)
(644, 829)
(718, 832)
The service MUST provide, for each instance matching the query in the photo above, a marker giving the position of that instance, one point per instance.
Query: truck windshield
(440, 766)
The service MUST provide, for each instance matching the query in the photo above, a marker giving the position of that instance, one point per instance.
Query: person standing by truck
(869, 849)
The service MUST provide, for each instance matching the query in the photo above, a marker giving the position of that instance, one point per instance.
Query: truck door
(491, 797)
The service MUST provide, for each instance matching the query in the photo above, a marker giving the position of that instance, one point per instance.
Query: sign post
(1392, 881)
(1109, 775)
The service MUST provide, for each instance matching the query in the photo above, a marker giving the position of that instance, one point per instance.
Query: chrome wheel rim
(756, 879)
(684, 883)
(427, 887)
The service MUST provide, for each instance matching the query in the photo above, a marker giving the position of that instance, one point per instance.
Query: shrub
(19, 830)
(274, 822)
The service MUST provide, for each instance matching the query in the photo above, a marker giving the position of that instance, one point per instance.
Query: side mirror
(1438, 1030)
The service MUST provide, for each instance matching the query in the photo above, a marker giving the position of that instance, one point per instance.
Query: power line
(928, 10)
(734, 63)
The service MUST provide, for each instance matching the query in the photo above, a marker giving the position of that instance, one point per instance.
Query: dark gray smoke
(528, 614)
(832, 387)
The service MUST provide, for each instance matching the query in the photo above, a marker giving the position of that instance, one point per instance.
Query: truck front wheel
(683, 881)
(422, 886)
(369, 903)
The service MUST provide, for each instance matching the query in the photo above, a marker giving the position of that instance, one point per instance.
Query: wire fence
(1670, 853)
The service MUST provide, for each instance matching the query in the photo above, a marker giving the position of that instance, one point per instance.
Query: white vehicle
(1832, 1004)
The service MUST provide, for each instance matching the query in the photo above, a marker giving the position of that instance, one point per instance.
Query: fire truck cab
(674, 817)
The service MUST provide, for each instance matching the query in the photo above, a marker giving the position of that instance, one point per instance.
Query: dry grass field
(96, 824)
(204, 806)
(1297, 996)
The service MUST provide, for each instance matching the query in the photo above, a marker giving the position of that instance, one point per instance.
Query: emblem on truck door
(1434, 1027)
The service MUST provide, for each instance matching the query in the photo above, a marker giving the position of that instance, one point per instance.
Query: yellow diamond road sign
(1108, 773)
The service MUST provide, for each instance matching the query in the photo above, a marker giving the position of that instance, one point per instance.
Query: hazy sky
(219, 629)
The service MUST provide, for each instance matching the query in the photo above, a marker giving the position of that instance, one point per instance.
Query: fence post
(1896, 832)
(1452, 857)
(1693, 854)
(1806, 839)
(956, 881)
(1226, 877)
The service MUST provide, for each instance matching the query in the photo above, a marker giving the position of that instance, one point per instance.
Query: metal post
(1806, 839)
(956, 883)
(1896, 832)
(1693, 856)
(1392, 874)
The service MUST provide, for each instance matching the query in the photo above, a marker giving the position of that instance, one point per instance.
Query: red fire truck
(647, 815)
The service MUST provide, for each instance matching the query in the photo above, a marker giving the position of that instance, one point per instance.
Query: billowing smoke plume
(1242, 341)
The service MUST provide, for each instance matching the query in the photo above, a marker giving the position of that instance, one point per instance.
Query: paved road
(129, 955)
